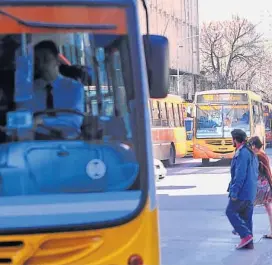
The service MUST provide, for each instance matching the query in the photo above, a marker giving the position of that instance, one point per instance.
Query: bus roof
(251, 94)
(68, 2)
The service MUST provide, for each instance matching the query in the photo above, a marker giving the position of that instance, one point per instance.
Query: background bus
(218, 112)
(268, 122)
(168, 130)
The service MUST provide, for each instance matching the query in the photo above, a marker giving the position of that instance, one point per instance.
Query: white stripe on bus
(68, 208)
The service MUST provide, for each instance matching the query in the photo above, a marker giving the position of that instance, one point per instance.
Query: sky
(257, 11)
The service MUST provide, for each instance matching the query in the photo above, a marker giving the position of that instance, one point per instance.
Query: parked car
(159, 169)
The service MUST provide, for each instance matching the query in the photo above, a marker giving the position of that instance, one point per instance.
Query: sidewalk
(207, 240)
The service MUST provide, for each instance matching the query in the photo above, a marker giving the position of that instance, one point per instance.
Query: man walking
(242, 189)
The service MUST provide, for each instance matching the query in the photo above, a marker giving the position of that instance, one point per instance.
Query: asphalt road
(194, 228)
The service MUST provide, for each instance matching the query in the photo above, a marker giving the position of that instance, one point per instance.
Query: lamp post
(178, 66)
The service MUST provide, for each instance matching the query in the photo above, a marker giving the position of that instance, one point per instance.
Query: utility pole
(178, 58)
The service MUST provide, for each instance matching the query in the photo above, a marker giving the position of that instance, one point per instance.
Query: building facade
(178, 20)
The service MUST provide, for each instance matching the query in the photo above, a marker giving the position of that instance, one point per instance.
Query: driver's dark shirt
(245, 118)
(67, 94)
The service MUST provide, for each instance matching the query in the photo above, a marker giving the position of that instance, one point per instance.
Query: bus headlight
(135, 260)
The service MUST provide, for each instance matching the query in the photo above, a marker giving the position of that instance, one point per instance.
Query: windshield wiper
(38, 24)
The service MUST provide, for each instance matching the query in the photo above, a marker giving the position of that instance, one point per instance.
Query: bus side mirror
(157, 61)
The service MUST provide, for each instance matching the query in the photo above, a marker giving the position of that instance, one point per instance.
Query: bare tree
(231, 51)
(262, 80)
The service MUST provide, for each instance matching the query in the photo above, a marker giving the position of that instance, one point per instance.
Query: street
(194, 229)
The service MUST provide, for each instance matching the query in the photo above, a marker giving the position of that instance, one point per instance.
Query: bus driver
(51, 90)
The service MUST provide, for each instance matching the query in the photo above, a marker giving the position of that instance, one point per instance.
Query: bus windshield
(217, 121)
(68, 135)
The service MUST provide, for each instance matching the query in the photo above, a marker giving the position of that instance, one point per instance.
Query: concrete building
(178, 20)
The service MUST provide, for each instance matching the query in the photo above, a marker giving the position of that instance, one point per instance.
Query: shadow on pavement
(219, 163)
(186, 164)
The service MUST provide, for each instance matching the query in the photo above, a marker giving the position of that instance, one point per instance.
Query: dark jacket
(244, 175)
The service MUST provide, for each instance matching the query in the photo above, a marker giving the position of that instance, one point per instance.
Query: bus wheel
(172, 158)
(205, 161)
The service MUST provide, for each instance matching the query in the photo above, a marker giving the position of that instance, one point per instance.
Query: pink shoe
(249, 245)
(245, 241)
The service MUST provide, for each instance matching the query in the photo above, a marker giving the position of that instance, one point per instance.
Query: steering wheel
(55, 132)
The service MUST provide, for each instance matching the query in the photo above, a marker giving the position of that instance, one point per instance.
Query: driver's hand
(38, 121)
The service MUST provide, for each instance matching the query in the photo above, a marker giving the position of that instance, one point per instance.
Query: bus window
(176, 115)
(179, 106)
(181, 114)
(117, 79)
(170, 113)
(163, 112)
(155, 114)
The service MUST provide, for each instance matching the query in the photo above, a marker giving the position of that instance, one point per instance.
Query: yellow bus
(168, 129)
(77, 174)
(218, 112)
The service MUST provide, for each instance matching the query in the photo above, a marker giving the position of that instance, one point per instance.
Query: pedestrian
(242, 189)
(264, 190)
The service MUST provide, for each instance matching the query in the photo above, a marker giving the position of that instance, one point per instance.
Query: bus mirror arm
(157, 62)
